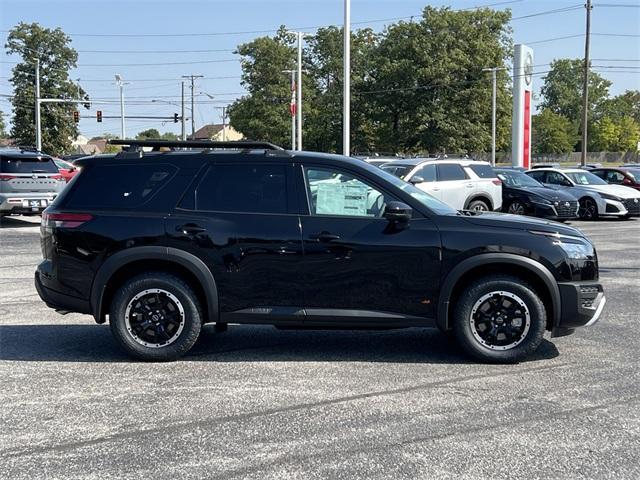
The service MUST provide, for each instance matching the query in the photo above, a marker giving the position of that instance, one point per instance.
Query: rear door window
(248, 188)
(450, 171)
(27, 165)
(118, 186)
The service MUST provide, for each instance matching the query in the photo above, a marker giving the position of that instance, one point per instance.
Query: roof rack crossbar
(156, 144)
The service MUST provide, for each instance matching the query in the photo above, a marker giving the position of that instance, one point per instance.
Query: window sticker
(342, 199)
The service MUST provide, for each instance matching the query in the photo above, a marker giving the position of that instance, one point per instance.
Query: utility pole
(292, 107)
(299, 99)
(193, 105)
(38, 122)
(121, 84)
(183, 135)
(494, 92)
(346, 95)
(585, 87)
(224, 123)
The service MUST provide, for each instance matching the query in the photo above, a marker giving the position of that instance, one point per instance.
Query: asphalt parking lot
(260, 403)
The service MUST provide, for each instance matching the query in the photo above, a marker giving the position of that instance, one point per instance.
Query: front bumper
(582, 305)
(556, 212)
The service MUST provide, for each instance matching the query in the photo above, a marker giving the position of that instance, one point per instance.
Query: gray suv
(29, 181)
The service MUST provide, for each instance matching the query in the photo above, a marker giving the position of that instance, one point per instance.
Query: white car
(596, 197)
(463, 184)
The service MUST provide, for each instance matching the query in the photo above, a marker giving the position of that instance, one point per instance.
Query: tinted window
(450, 171)
(27, 165)
(343, 195)
(118, 186)
(539, 176)
(613, 177)
(243, 188)
(483, 171)
(427, 172)
(599, 173)
(556, 178)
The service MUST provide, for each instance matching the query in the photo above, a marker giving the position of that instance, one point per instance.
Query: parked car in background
(29, 181)
(522, 195)
(461, 183)
(627, 176)
(66, 169)
(595, 196)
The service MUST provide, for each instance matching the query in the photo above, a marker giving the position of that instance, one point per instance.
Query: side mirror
(398, 212)
(415, 180)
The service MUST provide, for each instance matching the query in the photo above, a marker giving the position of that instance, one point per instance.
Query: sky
(198, 37)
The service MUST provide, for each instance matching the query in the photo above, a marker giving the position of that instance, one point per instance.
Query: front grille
(566, 209)
(632, 205)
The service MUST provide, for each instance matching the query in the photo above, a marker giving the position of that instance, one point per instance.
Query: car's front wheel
(499, 319)
(155, 317)
(588, 209)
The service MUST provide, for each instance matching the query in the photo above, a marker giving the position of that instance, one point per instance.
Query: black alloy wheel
(588, 209)
(516, 208)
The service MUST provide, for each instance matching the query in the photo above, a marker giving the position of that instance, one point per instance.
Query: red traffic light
(76, 116)
(99, 116)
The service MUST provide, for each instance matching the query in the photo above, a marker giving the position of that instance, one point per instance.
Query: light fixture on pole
(120, 83)
(346, 95)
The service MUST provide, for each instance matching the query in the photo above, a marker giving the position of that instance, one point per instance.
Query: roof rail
(157, 144)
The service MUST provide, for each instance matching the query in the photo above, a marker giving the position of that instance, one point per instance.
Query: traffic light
(99, 116)
(76, 116)
(175, 118)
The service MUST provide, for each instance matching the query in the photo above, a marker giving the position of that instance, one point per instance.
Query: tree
(625, 105)
(562, 90)
(153, 133)
(611, 134)
(3, 133)
(552, 133)
(51, 46)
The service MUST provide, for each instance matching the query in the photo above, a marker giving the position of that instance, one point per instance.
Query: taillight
(57, 177)
(65, 220)
(496, 181)
(5, 178)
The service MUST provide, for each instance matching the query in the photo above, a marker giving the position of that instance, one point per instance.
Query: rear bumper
(59, 301)
(582, 305)
(25, 203)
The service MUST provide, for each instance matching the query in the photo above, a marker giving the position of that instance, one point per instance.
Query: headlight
(577, 248)
(606, 196)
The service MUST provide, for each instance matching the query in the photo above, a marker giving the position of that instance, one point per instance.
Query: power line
(140, 64)
(550, 12)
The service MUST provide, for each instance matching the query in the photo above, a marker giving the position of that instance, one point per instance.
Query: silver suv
(29, 181)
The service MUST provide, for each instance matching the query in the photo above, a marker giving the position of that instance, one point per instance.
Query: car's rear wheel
(588, 209)
(516, 208)
(478, 206)
(499, 319)
(155, 317)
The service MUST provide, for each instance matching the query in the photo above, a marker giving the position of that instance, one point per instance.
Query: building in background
(216, 132)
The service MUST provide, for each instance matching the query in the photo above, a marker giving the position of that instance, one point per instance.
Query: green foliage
(153, 133)
(625, 105)
(562, 90)
(51, 46)
(614, 134)
(3, 133)
(552, 133)
(417, 86)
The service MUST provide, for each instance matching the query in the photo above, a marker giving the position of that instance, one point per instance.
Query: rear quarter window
(118, 186)
(9, 164)
(483, 171)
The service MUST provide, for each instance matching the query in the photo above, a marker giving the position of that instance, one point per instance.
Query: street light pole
(299, 100)
(193, 105)
(38, 121)
(585, 87)
(183, 134)
(120, 84)
(494, 92)
(346, 95)
(292, 107)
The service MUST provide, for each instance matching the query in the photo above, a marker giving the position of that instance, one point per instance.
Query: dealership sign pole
(522, 92)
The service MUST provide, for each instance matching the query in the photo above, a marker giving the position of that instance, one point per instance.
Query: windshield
(425, 199)
(585, 178)
(517, 179)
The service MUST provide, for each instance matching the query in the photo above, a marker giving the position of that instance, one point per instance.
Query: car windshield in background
(585, 178)
(27, 165)
(517, 179)
(634, 173)
(425, 199)
(399, 171)
(483, 171)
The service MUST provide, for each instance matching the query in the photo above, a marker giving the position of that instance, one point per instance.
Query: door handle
(469, 185)
(190, 229)
(436, 189)
(324, 237)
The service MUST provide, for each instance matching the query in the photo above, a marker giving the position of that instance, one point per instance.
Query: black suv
(161, 243)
